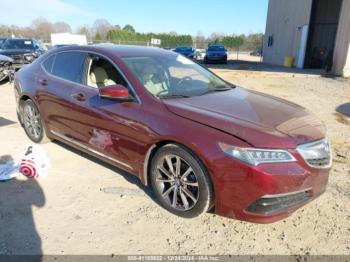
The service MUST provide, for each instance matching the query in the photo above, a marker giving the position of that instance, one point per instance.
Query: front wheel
(180, 182)
(32, 122)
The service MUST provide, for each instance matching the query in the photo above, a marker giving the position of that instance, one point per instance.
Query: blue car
(187, 51)
(216, 53)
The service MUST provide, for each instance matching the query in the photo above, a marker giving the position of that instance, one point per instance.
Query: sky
(182, 16)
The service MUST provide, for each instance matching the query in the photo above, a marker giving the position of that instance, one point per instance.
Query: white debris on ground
(8, 170)
(33, 163)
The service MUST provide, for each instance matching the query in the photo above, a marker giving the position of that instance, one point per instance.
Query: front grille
(17, 59)
(316, 154)
(268, 205)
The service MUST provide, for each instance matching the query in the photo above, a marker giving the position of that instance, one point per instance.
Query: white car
(199, 54)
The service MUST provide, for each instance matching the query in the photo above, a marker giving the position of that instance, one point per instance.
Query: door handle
(43, 82)
(80, 97)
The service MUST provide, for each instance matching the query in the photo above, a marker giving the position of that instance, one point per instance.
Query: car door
(63, 71)
(105, 127)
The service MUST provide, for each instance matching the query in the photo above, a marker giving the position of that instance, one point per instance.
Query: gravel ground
(86, 207)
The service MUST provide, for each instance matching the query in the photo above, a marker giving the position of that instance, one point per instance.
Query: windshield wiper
(218, 89)
(169, 96)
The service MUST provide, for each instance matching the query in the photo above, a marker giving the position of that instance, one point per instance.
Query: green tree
(129, 29)
(98, 37)
(233, 41)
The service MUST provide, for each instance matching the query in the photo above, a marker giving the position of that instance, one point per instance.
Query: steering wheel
(162, 91)
(186, 78)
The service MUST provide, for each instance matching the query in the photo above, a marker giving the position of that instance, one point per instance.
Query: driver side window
(101, 73)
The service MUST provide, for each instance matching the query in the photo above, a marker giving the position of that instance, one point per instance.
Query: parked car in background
(256, 52)
(197, 140)
(22, 50)
(187, 51)
(2, 40)
(6, 69)
(216, 53)
(200, 54)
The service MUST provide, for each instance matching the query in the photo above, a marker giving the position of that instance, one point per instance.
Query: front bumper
(216, 58)
(268, 192)
(275, 204)
(19, 61)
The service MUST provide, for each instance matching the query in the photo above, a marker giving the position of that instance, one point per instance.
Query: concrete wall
(284, 19)
(341, 60)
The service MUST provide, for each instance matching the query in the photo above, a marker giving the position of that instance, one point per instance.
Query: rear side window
(69, 66)
(48, 63)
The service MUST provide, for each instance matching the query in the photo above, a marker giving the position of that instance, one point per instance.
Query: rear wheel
(180, 182)
(32, 122)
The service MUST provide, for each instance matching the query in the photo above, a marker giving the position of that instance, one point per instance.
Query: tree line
(103, 31)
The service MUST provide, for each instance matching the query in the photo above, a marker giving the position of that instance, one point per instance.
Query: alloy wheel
(32, 122)
(177, 182)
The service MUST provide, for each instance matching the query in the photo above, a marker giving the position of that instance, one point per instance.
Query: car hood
(15, 51)
(259, 119)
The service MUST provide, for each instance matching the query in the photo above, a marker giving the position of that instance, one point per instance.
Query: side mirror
(116, 92)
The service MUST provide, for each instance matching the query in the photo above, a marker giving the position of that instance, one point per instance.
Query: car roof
(25, 39)
(118, 50)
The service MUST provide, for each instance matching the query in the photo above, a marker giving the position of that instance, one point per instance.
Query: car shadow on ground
(18, 233)
(3, 82)
(127, 176)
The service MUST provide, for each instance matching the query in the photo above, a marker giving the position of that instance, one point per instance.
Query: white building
(315, 32)
(68, 39)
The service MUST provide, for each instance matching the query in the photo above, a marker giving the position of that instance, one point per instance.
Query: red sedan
(200, 142)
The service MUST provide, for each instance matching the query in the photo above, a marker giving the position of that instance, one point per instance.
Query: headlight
(254, 156)
(29, 58)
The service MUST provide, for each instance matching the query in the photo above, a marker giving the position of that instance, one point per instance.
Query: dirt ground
(86, 207)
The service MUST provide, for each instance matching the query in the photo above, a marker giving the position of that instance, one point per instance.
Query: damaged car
(200, 142)
(6, 69)
(21, 50)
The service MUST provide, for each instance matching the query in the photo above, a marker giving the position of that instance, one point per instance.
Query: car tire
(185, 189)
(32, 122)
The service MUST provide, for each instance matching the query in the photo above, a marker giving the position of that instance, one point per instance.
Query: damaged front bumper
(7, 70)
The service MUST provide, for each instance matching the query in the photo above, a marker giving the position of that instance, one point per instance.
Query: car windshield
(216, 48)
(171, 76)
(2, 40)
(18, 44)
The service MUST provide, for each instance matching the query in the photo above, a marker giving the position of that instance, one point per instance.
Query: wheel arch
(145, 178)
(153, 150)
